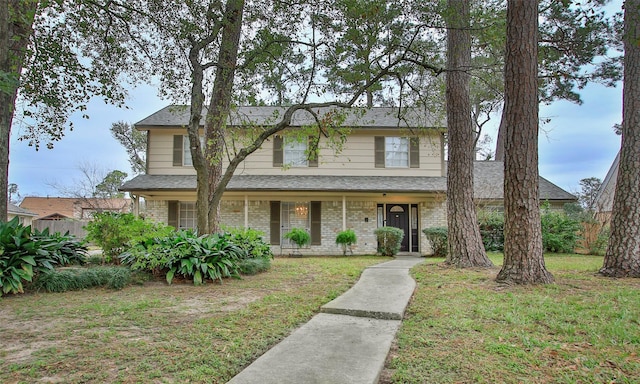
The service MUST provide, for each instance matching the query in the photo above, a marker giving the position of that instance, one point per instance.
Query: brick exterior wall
(361, 216)
(156, 210)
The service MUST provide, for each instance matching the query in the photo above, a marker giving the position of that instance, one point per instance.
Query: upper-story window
(182, 150)
(397, 152)
(293, 152)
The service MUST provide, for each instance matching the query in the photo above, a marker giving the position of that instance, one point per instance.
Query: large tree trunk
(16, 22)
(465, 243)
(623, 253)
(523, 259)
(218, 111)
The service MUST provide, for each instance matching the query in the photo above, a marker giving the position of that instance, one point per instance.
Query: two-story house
(391, 171)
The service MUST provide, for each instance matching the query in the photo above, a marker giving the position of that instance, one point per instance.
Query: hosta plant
(18, 255)
(208, 256)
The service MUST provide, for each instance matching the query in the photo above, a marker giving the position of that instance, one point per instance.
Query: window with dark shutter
(274, 223)
(278, 154)
(172, 216)
(379, 151)
(177, 150)
(316, 223)
(414, 152)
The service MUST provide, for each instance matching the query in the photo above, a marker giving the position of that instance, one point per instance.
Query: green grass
(160, 333)
(462, 327)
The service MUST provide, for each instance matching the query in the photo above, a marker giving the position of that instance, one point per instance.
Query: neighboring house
(604, 198)
(25, 216)
(391, 172)
(62, 208)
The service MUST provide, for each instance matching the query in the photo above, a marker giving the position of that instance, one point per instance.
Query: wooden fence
(74, 227)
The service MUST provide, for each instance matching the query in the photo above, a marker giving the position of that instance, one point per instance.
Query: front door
(398, 216)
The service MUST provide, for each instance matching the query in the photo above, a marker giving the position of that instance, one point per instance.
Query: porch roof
(488, 183)
(257, 183)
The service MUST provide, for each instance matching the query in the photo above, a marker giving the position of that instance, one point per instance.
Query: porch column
(344, 212)
(136, 205)
(246, 211)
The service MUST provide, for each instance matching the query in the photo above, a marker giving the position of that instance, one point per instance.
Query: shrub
(559, 232)
(253, 266)
(346, 239)
(491, 224)
(251, 241)
(298, 236)
(114, 231)
(389, 240)
(82, 278)
(437, 236)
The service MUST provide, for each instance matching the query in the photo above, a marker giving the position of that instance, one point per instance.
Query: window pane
(186, 150)
(396, 152)
(187, 215)
(295, 153)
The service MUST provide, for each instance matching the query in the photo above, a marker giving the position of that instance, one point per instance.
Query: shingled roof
(19, 211)
(488, 183)
(380, 117)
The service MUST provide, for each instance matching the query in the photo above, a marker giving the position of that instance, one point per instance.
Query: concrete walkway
(349, 341)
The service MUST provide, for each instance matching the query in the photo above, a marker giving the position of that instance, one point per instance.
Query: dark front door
(398, 216)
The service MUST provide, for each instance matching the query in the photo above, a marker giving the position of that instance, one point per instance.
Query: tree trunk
(465, 243)
(523, 259)
(623, 253)
(218, 111)
(16, 22)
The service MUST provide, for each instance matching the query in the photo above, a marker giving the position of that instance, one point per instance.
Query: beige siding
(356, 158)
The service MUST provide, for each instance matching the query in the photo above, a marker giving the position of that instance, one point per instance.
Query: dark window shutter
(313, 151)
(414, 152)
(274, 223)
(177, 150)
(172, 217)
(278, 154)
(316, 223)
(379, 151)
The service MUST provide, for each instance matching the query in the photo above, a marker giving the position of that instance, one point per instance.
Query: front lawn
(462, 327)
(165, 333)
